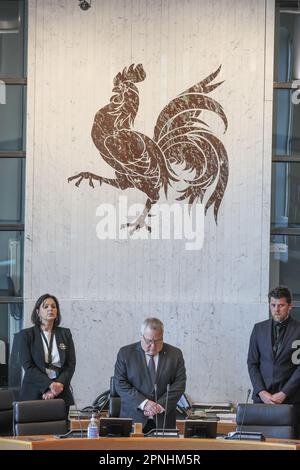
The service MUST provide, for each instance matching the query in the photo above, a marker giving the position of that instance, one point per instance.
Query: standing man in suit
(144, 371)
(273, 361)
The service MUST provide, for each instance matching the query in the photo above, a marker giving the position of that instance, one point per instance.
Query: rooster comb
(131, 74)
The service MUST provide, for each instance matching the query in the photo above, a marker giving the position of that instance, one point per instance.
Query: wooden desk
(140, 443)
(223, 427)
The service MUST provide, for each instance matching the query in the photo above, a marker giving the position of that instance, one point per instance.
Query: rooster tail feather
(217, 196)
(208, 158)
(203, 86)
(192, 101)
(165, 184)
(183, 108)
(191, 194)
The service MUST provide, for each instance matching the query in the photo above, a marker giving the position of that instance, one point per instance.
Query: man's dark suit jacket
(32, 357)
(133, 382)
(270, 372)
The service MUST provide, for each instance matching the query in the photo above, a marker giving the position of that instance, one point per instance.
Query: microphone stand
(238, 435)
(77, 411)
(166, 408)
(72, 432)
(156, 419)
(245, 407)
(163, 432)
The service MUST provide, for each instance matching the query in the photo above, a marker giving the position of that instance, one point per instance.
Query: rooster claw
(85, 175)
(136, 226)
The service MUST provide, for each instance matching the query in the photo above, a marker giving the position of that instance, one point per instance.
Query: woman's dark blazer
(32, 357)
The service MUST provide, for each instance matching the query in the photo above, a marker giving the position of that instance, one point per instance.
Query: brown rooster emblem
(182, 141)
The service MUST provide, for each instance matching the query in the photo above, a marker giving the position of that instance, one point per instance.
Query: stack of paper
(212, 407)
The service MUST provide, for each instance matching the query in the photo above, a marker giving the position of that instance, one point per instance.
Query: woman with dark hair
(47, 354)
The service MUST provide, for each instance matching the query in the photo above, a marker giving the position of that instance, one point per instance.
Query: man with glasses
(145, 373)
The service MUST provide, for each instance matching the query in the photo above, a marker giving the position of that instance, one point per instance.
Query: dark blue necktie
(151, 367)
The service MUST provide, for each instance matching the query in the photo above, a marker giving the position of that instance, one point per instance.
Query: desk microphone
(248, 435)
(77, 411)
(163, 432)
(72, 432)
(166, 409)
(245, 407)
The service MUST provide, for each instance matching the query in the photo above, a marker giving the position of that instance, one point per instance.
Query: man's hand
(266, 397)
(278, 398)
(56, 388)
(48, 395)
(151, 408)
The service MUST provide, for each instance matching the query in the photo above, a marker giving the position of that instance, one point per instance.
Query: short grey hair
(153, 324)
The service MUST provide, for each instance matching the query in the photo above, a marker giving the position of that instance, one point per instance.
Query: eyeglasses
(152, 341)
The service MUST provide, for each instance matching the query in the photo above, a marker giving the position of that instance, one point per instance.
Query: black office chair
(114, 400)
(276, 421)
(6, 412)
(40, 417)
(4, 354)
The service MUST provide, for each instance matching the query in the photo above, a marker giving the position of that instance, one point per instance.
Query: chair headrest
(6, 399)
(39, 410)
(113, 391)
(267, 415)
